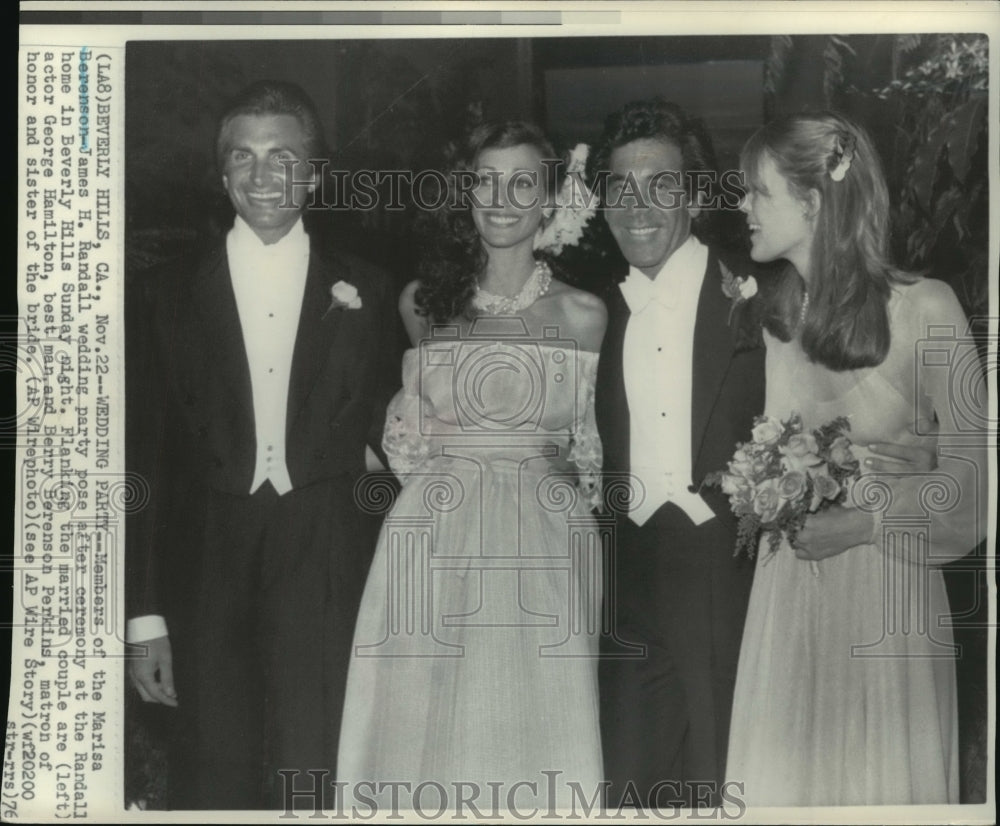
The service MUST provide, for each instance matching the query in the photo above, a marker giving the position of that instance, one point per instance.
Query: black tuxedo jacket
(672, 586)
(189, 404)
(727, 383)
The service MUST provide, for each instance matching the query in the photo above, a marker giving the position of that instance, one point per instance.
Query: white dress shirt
(657, 364)
(268, 281)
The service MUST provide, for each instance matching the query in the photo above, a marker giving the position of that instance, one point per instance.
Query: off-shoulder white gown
(845, 692)
(476, 642)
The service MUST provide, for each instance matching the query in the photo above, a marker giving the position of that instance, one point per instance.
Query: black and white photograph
(545, 425)
(821, 675)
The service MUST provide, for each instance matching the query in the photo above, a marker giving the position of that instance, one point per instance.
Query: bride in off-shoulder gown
(476, 642)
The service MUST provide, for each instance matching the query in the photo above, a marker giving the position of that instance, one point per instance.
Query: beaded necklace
(535, 287)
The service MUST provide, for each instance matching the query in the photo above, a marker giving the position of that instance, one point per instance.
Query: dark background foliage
(394, 104)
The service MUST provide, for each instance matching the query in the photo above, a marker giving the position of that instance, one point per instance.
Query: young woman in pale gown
(845, 692)
(474, 667)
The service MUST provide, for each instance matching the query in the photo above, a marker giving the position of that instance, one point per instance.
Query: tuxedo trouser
(261, 660)
(678, 592)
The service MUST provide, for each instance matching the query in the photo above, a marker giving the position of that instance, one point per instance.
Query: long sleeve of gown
(405, 446)
(937, 364)
(585, 448)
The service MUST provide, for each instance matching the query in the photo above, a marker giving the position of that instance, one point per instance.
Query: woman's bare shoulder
(582, 315)
(408, 297)
(923, 303)
(415, 323)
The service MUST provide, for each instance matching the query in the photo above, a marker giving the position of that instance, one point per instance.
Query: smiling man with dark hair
(677, 388)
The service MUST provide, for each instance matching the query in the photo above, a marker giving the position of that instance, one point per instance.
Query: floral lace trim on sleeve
(586, 451)
(405, 448)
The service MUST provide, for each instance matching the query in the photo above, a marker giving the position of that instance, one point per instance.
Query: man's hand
(153, 675)
(895, 458)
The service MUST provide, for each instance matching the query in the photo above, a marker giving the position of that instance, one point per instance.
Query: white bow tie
(638, 291)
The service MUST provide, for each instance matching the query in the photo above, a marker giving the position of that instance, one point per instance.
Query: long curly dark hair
(452, 256)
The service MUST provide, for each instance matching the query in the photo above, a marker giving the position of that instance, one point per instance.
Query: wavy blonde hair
(847, 325)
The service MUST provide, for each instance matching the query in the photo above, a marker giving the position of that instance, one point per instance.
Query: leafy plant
(943, 196)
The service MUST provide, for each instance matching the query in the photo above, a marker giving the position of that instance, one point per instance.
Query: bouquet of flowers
(783, 474)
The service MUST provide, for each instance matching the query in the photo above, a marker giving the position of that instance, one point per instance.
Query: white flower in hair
(840, 170)
(843, 153)
(575, 206)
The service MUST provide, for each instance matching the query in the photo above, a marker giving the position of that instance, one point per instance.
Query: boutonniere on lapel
(343, 296)
(737, 290)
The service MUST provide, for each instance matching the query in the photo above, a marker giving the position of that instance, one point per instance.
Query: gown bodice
(518, 401)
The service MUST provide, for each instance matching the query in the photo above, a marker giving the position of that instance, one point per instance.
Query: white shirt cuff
(145, 628)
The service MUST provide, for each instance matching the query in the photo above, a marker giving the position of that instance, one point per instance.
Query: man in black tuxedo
(256, 375)
(678, 385)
